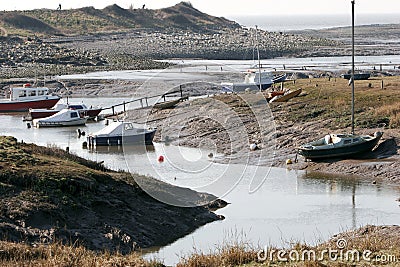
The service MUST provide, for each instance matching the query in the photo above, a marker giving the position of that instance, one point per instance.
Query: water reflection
(291, 206)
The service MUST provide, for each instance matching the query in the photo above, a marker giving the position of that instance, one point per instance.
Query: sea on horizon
(284, 23)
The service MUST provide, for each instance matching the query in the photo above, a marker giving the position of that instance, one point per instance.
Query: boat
(342, 145)
(65, 117)
(23, 98)
(169, 103)
(252, 81)
(286, 96)
(279, 78)
(357, 76)
(122, 133)
(84, 111)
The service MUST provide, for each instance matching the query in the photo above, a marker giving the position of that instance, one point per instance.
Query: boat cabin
(28, 93)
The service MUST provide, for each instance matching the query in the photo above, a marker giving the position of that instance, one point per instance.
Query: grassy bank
(48, 195)
(329, 99)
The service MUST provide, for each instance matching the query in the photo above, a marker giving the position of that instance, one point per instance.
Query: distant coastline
(285, 23)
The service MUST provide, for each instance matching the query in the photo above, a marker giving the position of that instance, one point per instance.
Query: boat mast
(352, 66)
(259, 62)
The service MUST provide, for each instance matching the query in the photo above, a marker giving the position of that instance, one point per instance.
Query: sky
(226, 8)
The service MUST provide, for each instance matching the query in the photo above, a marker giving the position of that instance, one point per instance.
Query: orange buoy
(161, 158)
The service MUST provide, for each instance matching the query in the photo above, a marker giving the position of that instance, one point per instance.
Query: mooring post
(147, 103)
(141, 102)
(124, 107)
(113, 111)
(164, 97)
(381, 84)
(180, 88)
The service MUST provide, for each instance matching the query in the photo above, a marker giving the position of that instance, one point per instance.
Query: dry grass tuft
(57, 255)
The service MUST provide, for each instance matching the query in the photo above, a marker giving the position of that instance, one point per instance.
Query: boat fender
(161, 158)
(328, 139)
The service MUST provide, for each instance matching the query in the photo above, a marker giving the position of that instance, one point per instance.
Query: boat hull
(40, 124)
(91, 114)
(357, 76)
(146, 138)
(340, 152)
(22, 106)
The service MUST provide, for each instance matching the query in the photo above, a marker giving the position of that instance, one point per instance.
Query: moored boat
(83, 110)
(357, 76)
(342, 145)
(121, 133)
(65, 117)
(252, 81)
(26, 97)
(339, 145)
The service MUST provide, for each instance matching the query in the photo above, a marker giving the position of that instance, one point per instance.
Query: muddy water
(284, 206)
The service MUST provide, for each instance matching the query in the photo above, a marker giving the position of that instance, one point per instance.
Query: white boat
(251, 82)
(65, 117)
(84, 110)
(254, 79)
(122, 132)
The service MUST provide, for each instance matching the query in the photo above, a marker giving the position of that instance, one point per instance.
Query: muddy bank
(230, 123)
(48, 195)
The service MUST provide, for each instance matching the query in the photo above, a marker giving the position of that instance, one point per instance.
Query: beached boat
(26, 97)
(251, 81)
(279, 78)
(122, 133)
(83, 110)
(357, 76)
(342, 145)
(255, 79)
(65, 117)
(286, 96)
(169, 103)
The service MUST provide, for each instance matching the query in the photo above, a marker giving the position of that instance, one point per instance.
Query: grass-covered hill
(48, 195)
(182, 16)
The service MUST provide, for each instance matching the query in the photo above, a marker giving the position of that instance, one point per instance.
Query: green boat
(342, 145)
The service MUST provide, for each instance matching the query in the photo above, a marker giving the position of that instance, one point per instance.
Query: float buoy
(161, 158)
(288, 161)
(253, 147)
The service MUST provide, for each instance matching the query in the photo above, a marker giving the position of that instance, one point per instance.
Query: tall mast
(259, 62)
(352, 66)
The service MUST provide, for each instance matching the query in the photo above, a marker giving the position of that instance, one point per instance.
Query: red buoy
(161, 158)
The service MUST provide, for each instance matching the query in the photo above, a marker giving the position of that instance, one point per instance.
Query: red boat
(83, 110)
(26, 97)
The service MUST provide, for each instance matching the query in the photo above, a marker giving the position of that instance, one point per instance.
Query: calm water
(302, 22)
(288, 206)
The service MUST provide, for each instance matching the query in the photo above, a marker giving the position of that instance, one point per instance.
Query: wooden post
(164, 97)
(382, 84)
(124, 107)
(113, 111)
(147, 103)
(380, 67)
(141, 102)
(180, 89)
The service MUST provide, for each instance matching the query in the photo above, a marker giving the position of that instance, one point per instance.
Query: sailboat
(342, 145)
(253, 80)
